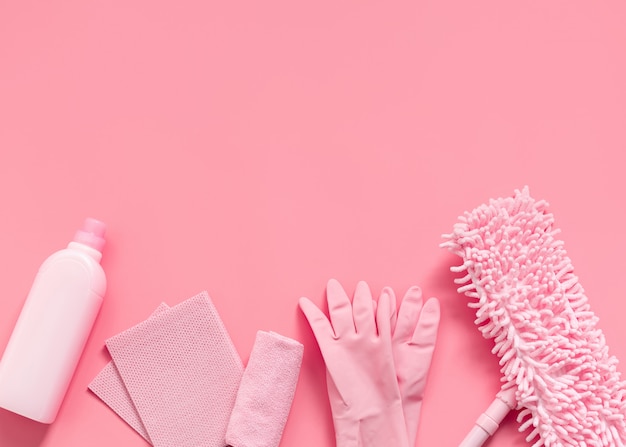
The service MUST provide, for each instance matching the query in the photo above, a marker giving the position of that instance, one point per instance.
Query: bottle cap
(91, 234)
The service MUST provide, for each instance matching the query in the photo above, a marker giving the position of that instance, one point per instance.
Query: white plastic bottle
(52, 329)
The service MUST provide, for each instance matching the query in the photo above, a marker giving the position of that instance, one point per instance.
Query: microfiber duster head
(529, 301)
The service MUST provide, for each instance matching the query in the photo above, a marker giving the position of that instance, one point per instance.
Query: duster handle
(488, 422)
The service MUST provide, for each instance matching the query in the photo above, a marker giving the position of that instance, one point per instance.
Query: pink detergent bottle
(52, 329)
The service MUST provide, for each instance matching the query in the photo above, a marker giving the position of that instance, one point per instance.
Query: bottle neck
(95, 254)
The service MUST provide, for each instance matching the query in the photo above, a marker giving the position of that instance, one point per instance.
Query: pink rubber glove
(413, 340)
(361, 378)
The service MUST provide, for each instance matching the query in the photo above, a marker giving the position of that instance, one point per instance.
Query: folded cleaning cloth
(109, 387)
(182, 372)
(266, 392)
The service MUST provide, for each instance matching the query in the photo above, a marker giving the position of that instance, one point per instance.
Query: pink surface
(257, 149)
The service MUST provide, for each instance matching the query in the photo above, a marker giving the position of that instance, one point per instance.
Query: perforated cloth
(109, 387)
(181, 372)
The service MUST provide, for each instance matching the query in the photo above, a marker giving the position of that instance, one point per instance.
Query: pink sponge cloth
(109, 387)
(181, 372)
(266, 392)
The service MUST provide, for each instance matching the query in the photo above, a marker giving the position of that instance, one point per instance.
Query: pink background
(256, 149)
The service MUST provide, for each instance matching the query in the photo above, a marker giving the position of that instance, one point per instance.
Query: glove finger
(392, 305)
(393, 317)
(317, 320)
(425, 334)
(339, 308)
(363, 310)
(383, 314)
(408, 315)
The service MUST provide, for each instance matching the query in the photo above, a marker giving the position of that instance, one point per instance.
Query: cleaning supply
(264, 395)
(414, 335)
(361, 379)
(489, 421)
(52, 329)
(553, 357)
(109, 386)
(182, 373)
(266, 392)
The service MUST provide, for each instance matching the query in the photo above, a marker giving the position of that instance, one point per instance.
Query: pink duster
(553, 357)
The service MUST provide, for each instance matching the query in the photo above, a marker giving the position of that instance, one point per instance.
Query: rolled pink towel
(266, 392)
